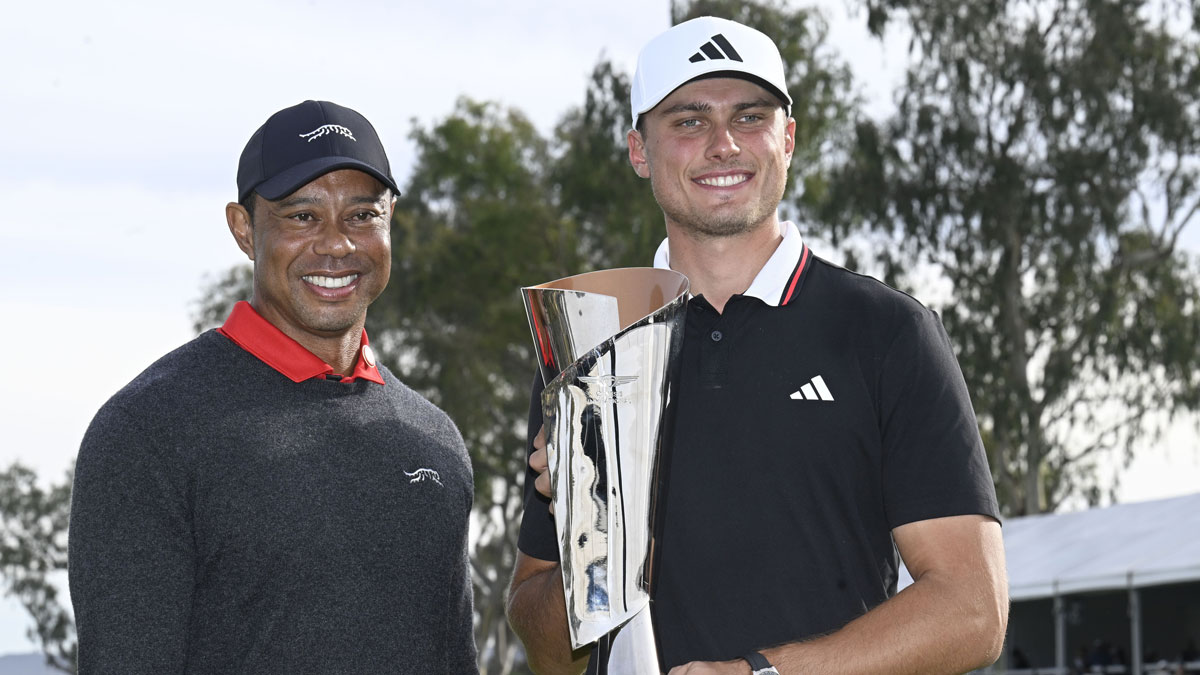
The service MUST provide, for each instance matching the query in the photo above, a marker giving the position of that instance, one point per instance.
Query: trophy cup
(607, 344)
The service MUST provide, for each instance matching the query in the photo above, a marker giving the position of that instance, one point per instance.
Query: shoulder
(418, 410)
(176, 382)
(182, 369)
(836, 285)
(412, 401)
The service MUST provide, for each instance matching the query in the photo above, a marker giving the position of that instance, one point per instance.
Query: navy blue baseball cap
(297, 145)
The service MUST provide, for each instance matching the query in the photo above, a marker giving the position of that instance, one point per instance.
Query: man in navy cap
(822, 421)
(268, 497)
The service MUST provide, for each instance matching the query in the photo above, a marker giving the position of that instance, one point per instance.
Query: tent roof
(1122, 546)
(1112, 548)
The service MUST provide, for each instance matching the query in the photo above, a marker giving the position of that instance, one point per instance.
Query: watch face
(769, 670)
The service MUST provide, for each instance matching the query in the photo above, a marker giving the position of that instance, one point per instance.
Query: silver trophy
(607, 344)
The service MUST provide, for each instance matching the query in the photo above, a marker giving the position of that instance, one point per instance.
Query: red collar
(258, 336)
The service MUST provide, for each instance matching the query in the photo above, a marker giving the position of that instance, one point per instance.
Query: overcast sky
(122, 126)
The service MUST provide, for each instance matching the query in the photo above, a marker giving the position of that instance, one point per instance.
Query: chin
(338, 322)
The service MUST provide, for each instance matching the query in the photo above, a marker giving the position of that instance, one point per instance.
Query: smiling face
(321, 254)
(716, 152)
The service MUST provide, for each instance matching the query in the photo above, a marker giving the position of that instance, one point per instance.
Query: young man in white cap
(268, 498)
(821, 416)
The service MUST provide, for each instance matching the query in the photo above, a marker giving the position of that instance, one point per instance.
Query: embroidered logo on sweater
(422, 475)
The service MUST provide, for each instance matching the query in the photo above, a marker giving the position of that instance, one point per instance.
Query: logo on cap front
(717, 48)
(328, 129)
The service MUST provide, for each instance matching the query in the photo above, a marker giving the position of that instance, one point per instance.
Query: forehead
(348, 183)
(716, 92)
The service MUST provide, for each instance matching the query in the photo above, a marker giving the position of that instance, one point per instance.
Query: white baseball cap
(705, 46)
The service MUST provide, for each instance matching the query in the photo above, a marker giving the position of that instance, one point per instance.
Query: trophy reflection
(607, 345)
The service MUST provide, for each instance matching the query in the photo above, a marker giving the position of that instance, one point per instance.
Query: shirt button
(716, 336)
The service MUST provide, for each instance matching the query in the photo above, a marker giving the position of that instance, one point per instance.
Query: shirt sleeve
(934, 462)
(537, 537)
(131, 551)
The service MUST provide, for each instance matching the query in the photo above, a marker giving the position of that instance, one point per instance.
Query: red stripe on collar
(258, 336)
(795, 284)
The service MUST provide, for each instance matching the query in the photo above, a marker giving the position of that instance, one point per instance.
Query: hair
(249, 202)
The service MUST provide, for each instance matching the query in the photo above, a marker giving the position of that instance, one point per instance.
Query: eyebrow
(756, 103)
(309, 201)
(694, 106)
(701, 107)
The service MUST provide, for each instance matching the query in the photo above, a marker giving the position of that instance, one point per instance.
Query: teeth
(330, 282)
(724, 181)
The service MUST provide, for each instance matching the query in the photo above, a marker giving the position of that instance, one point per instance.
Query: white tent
(1118, 547)
(1122, 548)
(1112, 548)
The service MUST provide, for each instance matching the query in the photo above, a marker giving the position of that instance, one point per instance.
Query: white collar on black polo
(773, 279)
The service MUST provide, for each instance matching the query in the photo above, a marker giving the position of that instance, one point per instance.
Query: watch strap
(759, 665)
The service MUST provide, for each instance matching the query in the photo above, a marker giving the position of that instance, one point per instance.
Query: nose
(722, 145)
(333, 241)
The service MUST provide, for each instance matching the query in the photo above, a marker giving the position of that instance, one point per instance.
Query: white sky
(122, 125)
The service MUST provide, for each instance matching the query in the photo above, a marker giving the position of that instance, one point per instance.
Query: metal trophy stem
(607, 344)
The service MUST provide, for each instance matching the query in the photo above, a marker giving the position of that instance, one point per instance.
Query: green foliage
(476, 221)
(220, 295)
(33, 547)
(1044, 159)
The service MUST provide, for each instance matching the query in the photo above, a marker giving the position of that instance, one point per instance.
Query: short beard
(716, 225)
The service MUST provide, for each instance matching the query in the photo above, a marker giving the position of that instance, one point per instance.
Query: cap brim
(296, 177)
(785, 99)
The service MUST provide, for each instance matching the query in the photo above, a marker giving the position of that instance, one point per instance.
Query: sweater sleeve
(460, 621)
(537, 537)
(131, 550)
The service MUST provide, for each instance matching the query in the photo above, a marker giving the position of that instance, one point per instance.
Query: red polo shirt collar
(259, 337)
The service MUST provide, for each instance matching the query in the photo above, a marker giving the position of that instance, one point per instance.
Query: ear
(637, 153)
(239, 226)
(789, 137)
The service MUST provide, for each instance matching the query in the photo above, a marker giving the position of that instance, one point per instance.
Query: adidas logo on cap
(705, 47)
(717, 48)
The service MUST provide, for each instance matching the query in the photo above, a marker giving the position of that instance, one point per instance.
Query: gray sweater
(228, 520)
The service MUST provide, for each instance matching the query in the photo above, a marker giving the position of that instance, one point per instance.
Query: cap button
(368, 355)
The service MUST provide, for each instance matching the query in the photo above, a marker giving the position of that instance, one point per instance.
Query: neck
(341, 351)
(719, 267)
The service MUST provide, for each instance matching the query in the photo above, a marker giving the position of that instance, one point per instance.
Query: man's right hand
(539, 462)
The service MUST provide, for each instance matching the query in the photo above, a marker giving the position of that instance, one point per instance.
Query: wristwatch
(759, 665)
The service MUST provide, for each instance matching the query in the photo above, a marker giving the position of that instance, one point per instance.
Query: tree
(33, 547)
(477, 220)
(1044, 160)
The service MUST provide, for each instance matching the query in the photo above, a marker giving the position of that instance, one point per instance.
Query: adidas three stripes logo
(814, 390)
(716, 48)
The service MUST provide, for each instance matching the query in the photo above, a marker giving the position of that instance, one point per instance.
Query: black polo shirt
(806, 429)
